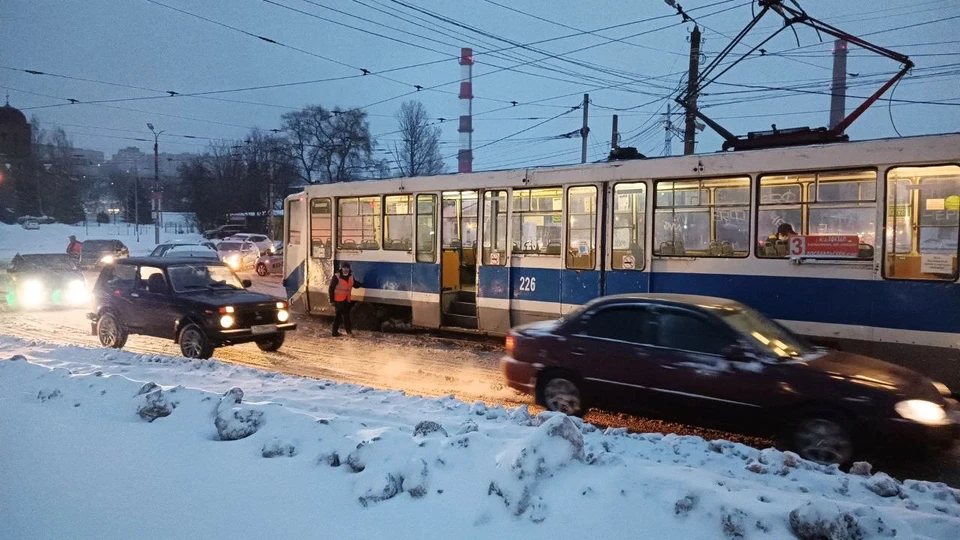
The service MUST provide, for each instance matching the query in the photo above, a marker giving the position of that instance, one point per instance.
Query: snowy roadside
(92, 450)
(55, 237)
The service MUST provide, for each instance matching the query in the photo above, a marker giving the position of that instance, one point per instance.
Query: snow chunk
(468, 427)
(414, 478)
(824, 521)
(861, 468)
(276, 447)
(154, 403)
(733, 522)
(389, 488)
(685, 505)
(47, 394)
(883, 485)
(234, 422)
(427, 427)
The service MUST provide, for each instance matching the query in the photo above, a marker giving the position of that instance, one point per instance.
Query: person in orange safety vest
(341, 287)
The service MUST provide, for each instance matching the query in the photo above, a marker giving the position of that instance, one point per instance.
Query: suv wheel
(272, 343)
(262, 269)
(111, 332)
(822, 439)
(559, 393)
(194, 342)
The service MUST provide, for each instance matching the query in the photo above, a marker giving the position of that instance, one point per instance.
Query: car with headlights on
(162, 249)
(201, 305)
(45, 280)
(718, 363)
(96, 253)
(239, 255)
(263, 243)
(270, 263)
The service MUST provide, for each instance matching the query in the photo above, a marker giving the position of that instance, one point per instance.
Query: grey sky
(138, 43)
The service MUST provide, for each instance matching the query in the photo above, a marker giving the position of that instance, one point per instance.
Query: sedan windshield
(194, 277)
(769, 335)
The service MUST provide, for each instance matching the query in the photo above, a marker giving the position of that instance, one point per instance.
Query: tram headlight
(922, 411)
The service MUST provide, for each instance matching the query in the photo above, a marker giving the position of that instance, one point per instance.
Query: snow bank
(104, 444)
(55, 237)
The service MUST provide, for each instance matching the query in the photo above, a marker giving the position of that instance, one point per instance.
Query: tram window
(294, 222)
(629, 226)
(358, 221)
(582, 227)
(427, 228)
(537, 220)
(842, 202)
(397, 223)
(321, 228)
(923, 223)
(703, 218)
(494, 228)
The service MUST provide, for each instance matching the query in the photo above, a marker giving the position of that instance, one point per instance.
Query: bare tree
(419, 154)
(330, 146)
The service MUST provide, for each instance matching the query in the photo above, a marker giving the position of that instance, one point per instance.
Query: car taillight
(510, 344)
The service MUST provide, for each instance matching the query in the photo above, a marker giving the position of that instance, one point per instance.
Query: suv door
(611, 349)
(114, 289)
(156, 310)
(694, 374)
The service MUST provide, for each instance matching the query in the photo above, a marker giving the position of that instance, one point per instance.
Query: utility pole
(693, 76)
(585, 130)
(668, 132)
(615, 136)
(136, 201)
(838, 89)
(158, 194)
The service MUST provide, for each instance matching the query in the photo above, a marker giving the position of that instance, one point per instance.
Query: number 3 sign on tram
(824, 246)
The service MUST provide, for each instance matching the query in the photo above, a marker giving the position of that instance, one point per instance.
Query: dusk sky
(141, 43)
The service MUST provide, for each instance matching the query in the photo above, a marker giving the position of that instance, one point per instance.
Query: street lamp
(156, 181)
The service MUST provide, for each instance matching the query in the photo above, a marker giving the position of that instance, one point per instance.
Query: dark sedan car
(97, 253)
(199, 304)
(712, 361)
(45, 280)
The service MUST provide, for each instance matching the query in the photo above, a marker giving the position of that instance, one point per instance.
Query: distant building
(132, 157)
(15, 149)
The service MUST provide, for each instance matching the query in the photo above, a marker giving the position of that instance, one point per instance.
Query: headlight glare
(942, 388)
(32, 293)
(108, 259)
(922, 411)
(283, 315)
(227, 321)
(77, 294)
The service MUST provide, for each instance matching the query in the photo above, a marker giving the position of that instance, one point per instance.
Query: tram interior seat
(369, 244)
(726, 249)
(781, 246)
(714, 249)
(554, 248)
(671, 248)
(349, 245)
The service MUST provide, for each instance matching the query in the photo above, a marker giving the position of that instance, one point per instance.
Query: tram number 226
(528, 284)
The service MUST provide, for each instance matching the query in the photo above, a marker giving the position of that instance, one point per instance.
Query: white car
(192, 251)
(263, 243)
(239, 255)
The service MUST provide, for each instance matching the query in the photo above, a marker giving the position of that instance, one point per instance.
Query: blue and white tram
(486, 251)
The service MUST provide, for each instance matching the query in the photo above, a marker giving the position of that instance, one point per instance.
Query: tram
(486, 251)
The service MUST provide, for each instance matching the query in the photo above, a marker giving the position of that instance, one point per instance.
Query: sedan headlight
(283, 315)
(922, 411)
(108, 259)
(77, 294)
(233, 262)
(32, 293)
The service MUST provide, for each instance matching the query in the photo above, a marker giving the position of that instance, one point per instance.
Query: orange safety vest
(344, 287)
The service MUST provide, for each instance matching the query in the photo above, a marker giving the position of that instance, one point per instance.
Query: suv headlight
(922, 411)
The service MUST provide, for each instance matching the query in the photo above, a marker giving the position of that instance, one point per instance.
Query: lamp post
(158, 193)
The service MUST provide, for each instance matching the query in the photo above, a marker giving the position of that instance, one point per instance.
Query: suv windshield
(194, 277)
(769, 335)
(228, 246)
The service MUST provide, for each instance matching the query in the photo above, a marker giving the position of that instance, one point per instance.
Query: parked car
(161, 249)
(222, 232)
(45, 280)
(712, 361)
(192, 252)
(96, 253)
(199, 304)
(238, 255)
(271, 263)
(263, 243)
(31, 224)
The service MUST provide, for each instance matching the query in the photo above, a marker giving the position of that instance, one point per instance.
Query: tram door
(458, 258)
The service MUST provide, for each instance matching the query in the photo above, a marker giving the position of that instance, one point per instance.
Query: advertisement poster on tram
(832, 246)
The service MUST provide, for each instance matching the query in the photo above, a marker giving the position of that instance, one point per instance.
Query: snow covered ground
(55, 237)
(98, 444)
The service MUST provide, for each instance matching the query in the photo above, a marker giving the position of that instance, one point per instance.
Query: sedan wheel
(262, 270)
(194, 343)
(110, 332)
(823, 441)
(562, 395)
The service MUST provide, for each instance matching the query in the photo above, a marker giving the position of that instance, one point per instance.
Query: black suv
(223, 231)
(201, 305)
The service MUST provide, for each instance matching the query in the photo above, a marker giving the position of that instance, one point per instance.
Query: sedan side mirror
(246, 283)
(736, 353)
